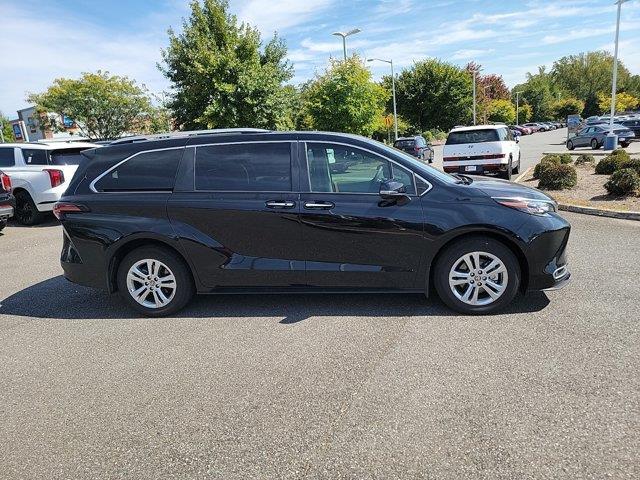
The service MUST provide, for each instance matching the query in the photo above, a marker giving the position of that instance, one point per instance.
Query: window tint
(473, 136)
(149, 171)
(34, 157)
(244, 167)
(342, 169)
(65, 157)
(7, 158)
(403, 144)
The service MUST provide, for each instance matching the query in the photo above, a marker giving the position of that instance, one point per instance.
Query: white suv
(482, 149)
(40, 173)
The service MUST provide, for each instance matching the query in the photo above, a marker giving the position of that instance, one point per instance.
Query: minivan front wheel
(154, 281)
(479, 275)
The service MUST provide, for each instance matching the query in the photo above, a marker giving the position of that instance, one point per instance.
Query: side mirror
(391, 189)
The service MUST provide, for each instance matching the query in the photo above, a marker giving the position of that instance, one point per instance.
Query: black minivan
(257, 211)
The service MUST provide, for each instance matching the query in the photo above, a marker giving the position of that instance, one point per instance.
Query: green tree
(539, 92)
(585, 75)
(524, 113)
(221, 75)
(7, 131)
(103, 106)
(501, 111)
(434, 94)
(345, 99)
(560, 109)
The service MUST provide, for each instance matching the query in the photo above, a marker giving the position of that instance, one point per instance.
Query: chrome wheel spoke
(148, 288)
(478, 278)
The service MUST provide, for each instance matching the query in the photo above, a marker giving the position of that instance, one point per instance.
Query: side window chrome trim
(92, 185)
(415, 175)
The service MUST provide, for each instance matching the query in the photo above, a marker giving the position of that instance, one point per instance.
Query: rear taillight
(56, 177)
(5, 181)
(61, 209)
(416, 149)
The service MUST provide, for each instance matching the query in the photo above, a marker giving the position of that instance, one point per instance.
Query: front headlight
(528, 205)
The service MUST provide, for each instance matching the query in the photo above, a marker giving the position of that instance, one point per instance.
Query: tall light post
(485, 101)
(344, 36)
(612, 139)
(474, 96)
(517, 107)
(393, 90)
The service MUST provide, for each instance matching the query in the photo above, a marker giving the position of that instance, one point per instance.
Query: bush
(585, 158)
(566, 158)
(632, 163)
(545, 162)
(609, 164)
(621, 154)
(623, 182)
(434, 134)
(558, 177)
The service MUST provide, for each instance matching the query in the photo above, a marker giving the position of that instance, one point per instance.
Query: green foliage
(624, 182)
(384, 133)
(560, 109)
(633, 163)
(434, 94)
(585, 75)
(7, 131)
(525, 112)
(501, 111)
(558, 177)
(624, 102)
(612, 162)
(103, 106)
(345, 99)
(539, 92)
(585, 158)
(434, 134)
(221, 75)
(546, 162)
(566, 158)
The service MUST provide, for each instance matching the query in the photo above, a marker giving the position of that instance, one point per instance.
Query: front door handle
(319, 205)
(280, 204)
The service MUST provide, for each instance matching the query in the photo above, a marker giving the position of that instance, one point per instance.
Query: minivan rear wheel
(478, 275)
(154, 281)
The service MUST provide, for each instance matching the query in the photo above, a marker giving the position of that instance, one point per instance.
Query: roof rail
(187, 133)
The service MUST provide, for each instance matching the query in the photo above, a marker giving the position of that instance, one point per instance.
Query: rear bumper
(461, 167)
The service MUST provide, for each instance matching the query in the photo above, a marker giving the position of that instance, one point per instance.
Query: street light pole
(393, 90)
(474, 97)
(517, 107)
(612, 139)
(344, 36)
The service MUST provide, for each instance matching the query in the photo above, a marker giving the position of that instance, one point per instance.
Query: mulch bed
(589, 192)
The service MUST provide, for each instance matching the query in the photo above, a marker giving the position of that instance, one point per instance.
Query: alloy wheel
(151, 283)
(478, 278)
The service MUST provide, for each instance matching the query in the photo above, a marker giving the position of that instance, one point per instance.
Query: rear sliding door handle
(277, 204)
(319, 205)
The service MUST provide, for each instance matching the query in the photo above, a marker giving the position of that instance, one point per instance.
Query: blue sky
(42, 40)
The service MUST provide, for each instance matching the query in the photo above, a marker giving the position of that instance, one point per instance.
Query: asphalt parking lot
(318, 386)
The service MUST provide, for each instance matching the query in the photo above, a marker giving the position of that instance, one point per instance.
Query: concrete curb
(599, 212)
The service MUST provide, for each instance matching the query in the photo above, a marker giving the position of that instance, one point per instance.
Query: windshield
(418, 166)
(403, 143)
(473, 136)
(69, 156)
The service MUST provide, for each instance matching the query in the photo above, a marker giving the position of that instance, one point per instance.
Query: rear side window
(34, 157)
(473, 136)
(7, 158)
(244, 167)
(145, 172)
(403, 143)
(65, 157)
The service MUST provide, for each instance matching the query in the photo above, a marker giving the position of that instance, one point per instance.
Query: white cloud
(277, 15)
(471, 53)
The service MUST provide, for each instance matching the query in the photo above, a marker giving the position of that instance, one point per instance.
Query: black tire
(452, 255)
(507, 174)
(26, 211)
(570, 145)
(624, 145)
(594, 144)
(184, 288)
(516, 169)
(3, 223)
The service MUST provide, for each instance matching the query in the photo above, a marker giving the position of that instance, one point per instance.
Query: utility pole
(393, 89)
(612, 139)
(474, 97)
(517, 108)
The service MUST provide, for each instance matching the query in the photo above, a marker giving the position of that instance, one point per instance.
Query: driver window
(343, 169)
